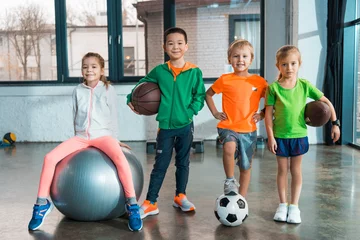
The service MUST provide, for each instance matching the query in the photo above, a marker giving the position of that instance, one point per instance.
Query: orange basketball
(146, 98)
(317, 113)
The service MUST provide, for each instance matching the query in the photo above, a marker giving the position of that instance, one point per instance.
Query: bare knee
(229, 149)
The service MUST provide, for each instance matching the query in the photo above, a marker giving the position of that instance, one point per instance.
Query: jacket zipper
(172, 102)
(89, 113)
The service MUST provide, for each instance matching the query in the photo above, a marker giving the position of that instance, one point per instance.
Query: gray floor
(329, 203)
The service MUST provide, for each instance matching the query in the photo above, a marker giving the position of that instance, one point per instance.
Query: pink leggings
(109, 145)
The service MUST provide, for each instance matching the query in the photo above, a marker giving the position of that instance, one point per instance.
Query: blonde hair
(284, 52)
(240, 43)
(101, 63)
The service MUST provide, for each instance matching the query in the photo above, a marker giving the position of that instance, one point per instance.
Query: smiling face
(92, 71)
(175, 46)
(240, 59)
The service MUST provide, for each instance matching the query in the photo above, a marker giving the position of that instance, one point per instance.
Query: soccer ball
(231, 210)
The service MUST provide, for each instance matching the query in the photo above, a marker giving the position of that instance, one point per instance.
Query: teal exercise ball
(86, 186)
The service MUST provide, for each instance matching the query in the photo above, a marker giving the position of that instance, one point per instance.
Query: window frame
(115, 53)
(349, 131)
(245, 18)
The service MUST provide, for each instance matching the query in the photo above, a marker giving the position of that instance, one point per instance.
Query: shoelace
(133, 210)
(227, 182)
(37, 211)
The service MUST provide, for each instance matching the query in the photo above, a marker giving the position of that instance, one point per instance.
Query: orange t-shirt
(240, 100)
(176, 71)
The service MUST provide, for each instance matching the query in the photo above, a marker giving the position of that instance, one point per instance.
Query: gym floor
(329, 203)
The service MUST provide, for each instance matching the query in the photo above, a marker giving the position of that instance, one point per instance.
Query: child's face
(240, 59)
(91, 70)
(175, 46)
(289, 66)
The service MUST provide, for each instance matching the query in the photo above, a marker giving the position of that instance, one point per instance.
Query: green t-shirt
(289, 107)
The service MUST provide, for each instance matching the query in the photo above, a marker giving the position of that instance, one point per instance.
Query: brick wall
(208, 36)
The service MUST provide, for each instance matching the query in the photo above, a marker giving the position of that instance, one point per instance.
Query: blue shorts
(292, 147)
(245, 145)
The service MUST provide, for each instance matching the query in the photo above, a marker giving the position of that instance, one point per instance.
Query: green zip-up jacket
(182, 96)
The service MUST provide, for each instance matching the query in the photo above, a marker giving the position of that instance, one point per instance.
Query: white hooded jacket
(95, 111)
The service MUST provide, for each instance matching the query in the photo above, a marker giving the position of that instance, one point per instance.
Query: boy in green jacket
(182, 97)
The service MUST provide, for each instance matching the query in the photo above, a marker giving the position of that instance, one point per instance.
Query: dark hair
(101, 63)
(175, 30)
(285, 51)
(240, 43)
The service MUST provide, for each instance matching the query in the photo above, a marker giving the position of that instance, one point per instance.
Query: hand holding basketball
(317, 113)
(145, 99)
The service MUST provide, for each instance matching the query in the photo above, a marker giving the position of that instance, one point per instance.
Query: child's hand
(124, 145)
(272, 146)
(132, 108)
(220, 116)
(257, 117)
(335, 133)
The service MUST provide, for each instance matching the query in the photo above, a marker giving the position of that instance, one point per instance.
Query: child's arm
(112, 100)
(74, 100)
(269, 129)
(124, 145)
(198, 96)
(211, 105)
(335, 130)
(257, 117)
(150, 77)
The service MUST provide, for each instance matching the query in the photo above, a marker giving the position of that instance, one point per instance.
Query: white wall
(44, 113)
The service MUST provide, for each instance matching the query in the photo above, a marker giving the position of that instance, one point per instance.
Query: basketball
(317, 113)
(146, 98)
(9, 138)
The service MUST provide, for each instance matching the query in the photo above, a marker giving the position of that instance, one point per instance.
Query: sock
(283, 204)
(41, 201)
(230, 178)
(131, 201)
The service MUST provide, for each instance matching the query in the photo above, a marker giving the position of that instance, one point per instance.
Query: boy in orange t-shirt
(241, 94)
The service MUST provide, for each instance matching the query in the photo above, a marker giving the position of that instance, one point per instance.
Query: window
(130, 42)
(129, 63)
(247, 26)
(351, 75)
(212, 25)
(26, 32)
(86, 31)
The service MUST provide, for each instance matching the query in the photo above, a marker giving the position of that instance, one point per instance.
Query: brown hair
(101, 63)
(240, 43)
(285, 51)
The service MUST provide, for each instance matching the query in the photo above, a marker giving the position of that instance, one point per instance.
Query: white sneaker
(231, 187)
(281, 212)
(294, 214)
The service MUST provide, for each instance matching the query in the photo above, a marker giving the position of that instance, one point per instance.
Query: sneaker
(183, 203)
(294, 214)
(231, 187)
(281, 212)
(135, 222)
(148, 208)
(39, 214)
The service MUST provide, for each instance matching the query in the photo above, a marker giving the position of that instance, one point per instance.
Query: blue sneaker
(39, 214)
(135, 222)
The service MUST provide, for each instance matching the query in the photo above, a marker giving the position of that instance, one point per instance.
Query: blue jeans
(167, 139)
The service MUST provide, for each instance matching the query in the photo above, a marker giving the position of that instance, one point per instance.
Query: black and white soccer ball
(231, 210)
